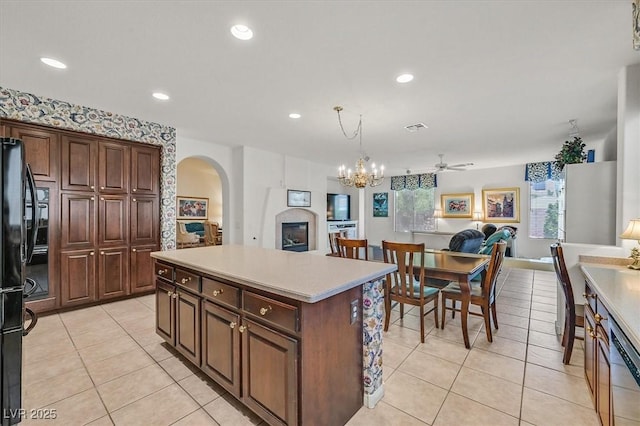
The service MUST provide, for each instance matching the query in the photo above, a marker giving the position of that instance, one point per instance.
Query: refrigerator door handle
(34, 320)
(35, 214)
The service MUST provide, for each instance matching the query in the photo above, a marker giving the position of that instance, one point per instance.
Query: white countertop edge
(618, 317)
(303, 297)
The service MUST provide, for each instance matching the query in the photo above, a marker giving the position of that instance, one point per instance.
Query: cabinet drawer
(188, 280)
(221, 292)
(163, 271)
(271, 310)
(590, 297)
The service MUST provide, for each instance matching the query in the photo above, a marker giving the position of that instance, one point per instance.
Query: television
(338, 207)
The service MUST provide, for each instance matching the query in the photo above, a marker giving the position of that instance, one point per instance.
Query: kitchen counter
(619, 289)
(301, 276)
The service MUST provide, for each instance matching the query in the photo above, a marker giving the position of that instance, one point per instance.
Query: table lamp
(477, 218)
(633, 233)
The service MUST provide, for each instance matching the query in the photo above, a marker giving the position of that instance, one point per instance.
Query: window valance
(540, 172)
(411, 182)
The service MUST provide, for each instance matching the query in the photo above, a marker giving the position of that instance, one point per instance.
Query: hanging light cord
(356, 133)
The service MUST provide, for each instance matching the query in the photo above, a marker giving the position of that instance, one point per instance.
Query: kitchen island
(296, 337)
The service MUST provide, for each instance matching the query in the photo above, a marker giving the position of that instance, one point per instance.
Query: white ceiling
(496, 82)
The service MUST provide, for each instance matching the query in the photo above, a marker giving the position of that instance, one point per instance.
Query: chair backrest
(332, 240)
(466, 241)
(495, 265)
(404, 256)
(210, 233)
(563, 276)
(352, 248)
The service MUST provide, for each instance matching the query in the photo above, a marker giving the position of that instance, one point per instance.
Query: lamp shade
(437, 213)
(477, 216)
(633, 230)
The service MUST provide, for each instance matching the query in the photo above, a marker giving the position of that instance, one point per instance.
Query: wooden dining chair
(210, 233)
(483, 295)
(352, 249)
(573, 314)
(402, 287)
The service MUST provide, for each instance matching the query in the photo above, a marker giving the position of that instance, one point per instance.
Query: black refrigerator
(19, 227)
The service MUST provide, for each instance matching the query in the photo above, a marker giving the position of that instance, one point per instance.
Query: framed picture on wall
(381, 204)
(192, 208)
(501, 205)
(457, 205)
(298, 198)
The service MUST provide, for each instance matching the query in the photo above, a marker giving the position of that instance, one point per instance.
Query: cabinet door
(78, 277)
(188, 326)
(77, 220)
(41, 149)
(145, 166)
(269, 373)
(78, 163)
(145, 220)
(142, 274)
(604, 378)
(590, 350)
(221, 346)
(113, 168)
(114, 220)
(113, 273)
(165, 312)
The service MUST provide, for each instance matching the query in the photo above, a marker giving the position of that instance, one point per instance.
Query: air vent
(415, 127)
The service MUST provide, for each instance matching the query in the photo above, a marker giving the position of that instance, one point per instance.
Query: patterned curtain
(411, 182)
(540, 172)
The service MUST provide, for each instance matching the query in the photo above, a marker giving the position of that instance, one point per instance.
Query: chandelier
(361, 177)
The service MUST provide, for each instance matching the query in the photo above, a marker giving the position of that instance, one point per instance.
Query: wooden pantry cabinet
(107, 218)
(290, 362)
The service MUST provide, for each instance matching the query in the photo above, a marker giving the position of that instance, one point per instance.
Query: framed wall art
(298, 198)
(381, 204)
(501, 205)
(457, 205)
(192, 208)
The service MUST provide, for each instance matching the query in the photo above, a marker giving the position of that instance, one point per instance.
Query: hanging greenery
(572, 152)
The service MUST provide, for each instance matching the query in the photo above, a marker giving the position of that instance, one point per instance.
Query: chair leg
(494, 314)
(444, 310)
(421, 323)
(487, 322)
(435, 309)
(569, 345)
(401, 310)
(387, 311)
(453, 305)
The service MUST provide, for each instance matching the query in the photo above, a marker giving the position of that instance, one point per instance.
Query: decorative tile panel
(16, 105)
(373, 320)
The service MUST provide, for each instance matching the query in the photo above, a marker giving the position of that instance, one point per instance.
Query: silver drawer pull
(232, 325)
(217, 292)
(185, 280)
(242, 328)
(265, 311)
(599, 318)
(162, 271)
(169, 293)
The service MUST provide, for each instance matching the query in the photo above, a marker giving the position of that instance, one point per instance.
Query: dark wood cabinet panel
(188, 325)
(145, 220)
(270, 376)
(77, 271)
(77, 220)
(145, 173)
(604, 379)
(165, 311)
(221, 346)
(113, 273)
(78, 163)
(590, 350)
(113, 168)
(114, 220)
(42, 150)
(141, 277)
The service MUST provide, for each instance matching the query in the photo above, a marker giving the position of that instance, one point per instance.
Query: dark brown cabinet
(597, 366)
(145, 219)
(78, 272)
(77, 221)
(165, 311)
(141, 276)
(188, 325)
(145, 163)
(78, 163)
(113, 168)
(42, 150)
(221, 346)
(113, 272)
(113, 227)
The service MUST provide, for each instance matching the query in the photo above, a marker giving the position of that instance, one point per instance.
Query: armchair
(185, 238)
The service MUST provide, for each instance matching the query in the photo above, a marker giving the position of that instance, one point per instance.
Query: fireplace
(295, 236)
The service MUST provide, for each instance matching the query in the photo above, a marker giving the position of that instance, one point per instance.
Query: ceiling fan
(442, 166)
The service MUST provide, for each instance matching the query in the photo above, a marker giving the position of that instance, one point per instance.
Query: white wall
(197, 178)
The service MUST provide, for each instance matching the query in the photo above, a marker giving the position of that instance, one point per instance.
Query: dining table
(454, 266)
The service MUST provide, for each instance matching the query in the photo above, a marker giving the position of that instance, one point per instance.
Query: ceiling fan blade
(457, 169)
(461, 165)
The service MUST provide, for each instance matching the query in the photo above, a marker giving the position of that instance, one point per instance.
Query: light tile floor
(105, 365)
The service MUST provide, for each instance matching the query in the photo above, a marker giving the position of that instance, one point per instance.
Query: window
(414, 210)
(546, 209)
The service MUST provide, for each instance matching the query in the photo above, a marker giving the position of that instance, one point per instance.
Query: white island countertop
(301, 276)
(619, 289)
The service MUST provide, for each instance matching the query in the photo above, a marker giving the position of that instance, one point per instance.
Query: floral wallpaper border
(372, 322)
(17, 105)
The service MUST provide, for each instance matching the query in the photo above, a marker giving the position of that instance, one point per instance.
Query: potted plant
(572, 152)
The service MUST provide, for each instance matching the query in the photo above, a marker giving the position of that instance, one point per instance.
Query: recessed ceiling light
(242, 32)
(161, 96)
(53, 63)
(404, 78)
(294, 115)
